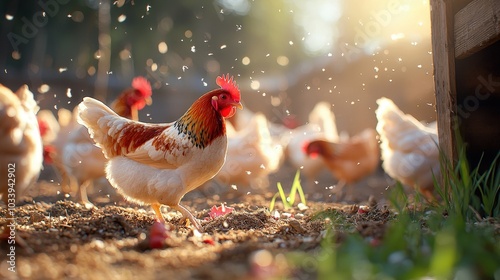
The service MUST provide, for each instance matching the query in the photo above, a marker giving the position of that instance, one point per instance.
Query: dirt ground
(66, 240)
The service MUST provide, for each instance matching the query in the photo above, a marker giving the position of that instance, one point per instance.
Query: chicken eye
(223, 96)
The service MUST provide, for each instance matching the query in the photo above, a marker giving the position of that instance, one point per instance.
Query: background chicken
(48, 126)
(349, 160)
(20, 142)
(158, 164)
(410, 151)
(53, 146)
(49, 129)
(277, 130)
(321, 126)
(251, 154)
(82, 160)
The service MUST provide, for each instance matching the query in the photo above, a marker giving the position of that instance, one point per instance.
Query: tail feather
(101, 122)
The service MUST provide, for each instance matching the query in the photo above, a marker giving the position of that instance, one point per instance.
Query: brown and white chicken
(82, 160)
(157, 164)
(20, 144)
(349, 160)
(321, 126)
(252, 155)
(410, 150)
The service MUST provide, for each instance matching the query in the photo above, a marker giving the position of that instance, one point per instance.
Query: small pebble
(302, 207)
(275, 214)
(286, 215)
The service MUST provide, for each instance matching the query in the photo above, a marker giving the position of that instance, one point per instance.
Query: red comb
(142, 85)
(43, 126)
(229, 85)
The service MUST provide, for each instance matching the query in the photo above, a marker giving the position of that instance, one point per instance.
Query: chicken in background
(49, 129)
(277, 130)
(85, 162)
(410, 150)
(157, 164)
(48, 126)
(349, 160)
(53, 150)
(321, 126)
(20, 144)
(251, 155)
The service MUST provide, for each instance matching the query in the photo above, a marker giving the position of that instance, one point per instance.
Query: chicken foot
(185, 213)
(188, 215)
(84, 199)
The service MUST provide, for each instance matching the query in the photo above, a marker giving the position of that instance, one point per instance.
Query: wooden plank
(460, 4)
(443, 52)
(477, 26)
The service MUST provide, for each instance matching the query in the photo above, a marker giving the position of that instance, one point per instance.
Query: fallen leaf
(219, 211)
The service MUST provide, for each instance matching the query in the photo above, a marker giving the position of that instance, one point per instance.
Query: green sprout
(289, 200)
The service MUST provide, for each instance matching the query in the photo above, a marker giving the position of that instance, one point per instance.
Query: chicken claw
(189, 216)
(185, 213)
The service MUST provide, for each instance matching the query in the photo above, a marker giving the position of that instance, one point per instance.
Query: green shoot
(289, 200)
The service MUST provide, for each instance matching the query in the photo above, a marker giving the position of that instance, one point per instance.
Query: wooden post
(443, 52)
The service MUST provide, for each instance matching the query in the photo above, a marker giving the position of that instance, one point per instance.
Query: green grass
(458, 192)
(457, 238)
(289, 200)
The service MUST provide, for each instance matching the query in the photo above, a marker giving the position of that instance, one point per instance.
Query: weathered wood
(443, 52)
(460, 4)
(477, 26)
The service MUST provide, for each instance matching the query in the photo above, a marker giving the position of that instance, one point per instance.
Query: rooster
(410, 150)
(82, 160)
(158, 164)
(251, 154)
(20, 144)
(349, 160)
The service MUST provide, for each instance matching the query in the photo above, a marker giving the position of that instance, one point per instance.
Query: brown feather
(133, 135)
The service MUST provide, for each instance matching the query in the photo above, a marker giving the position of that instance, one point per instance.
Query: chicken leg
(189, 216)
(156, 207)
(185, 213)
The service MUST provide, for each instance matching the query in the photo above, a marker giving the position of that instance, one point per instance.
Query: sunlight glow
(317, 23)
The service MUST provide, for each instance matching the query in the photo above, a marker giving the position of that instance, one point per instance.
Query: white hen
(54, 146)
(83, 162)
(20, 142)
(252, 154)
(410, 150)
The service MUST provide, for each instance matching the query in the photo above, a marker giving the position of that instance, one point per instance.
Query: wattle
(228, 111)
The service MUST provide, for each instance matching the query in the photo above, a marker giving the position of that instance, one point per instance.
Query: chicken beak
(149, 100)
(238, 105)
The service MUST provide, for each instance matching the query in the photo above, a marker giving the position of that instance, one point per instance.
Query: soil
(66, 240)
